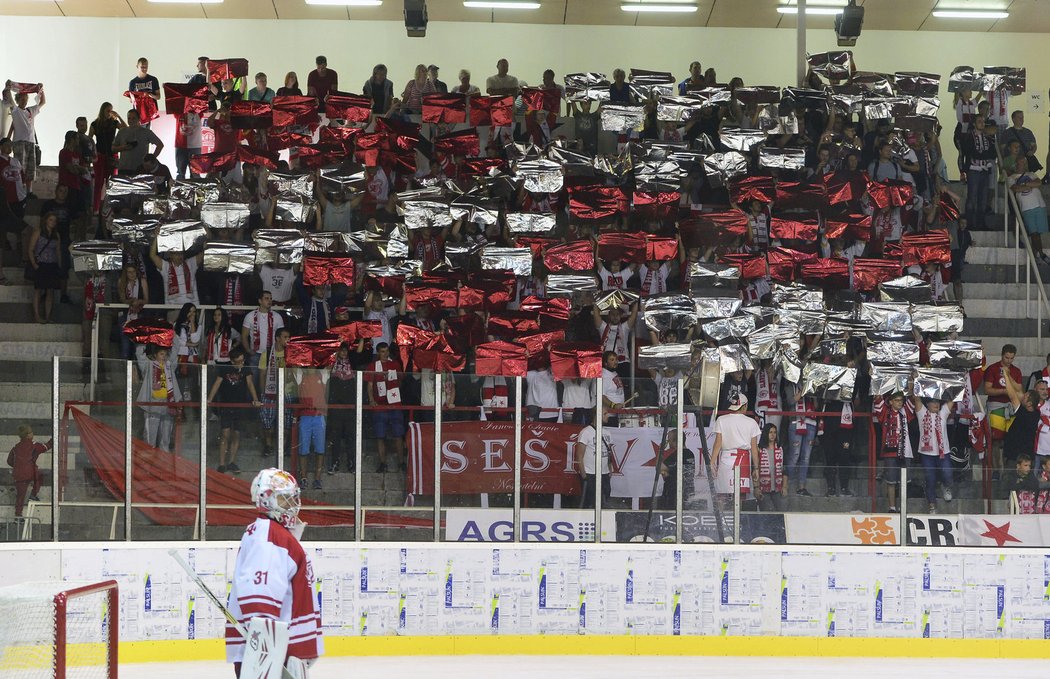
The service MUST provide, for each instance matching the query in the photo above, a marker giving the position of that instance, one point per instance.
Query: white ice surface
(616, 667)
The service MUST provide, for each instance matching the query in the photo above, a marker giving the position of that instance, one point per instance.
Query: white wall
(88, 60)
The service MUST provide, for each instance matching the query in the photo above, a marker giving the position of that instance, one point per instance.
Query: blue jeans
(977, 183)
(934, 465)
(801, 445)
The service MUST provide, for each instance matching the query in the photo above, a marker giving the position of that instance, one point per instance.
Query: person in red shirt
(321, 81)
(71, 168)
(387, 423)
(22, 459)
(999, 400)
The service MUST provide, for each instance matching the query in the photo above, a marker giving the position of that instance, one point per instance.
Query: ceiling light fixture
(347, 3)
(187, 2)
(496, 4)
(828, 11)
(645, 7)
(970, 14)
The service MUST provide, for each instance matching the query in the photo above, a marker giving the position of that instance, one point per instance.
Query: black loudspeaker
(416, 18)
(848, 24)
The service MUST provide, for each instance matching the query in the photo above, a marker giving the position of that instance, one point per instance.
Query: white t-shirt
(577, 394)
(12, 174)
(542, 390)
(337, 216)
(612, 386)
(186, 284)
(586, 439)
(1026, 200)
(23, 120)
(654, 281)
(737, 431)
(667, 388)
(278, 281)
(614, 281)
(940, 420)
(1042, 442)
(383, 317)
(614, 338)
(257, 323)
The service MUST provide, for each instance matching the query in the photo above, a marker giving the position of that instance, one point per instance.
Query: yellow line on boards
(512, 644)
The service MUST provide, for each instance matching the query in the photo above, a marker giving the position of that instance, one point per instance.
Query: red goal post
(59, 630)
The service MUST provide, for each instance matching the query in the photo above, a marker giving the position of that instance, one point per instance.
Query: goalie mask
(275, 493)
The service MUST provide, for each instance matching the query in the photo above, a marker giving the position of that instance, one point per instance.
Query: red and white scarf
(271, 371)
(232, 291)
(343, 369)
(805, 418)
(846, 418)
(219, 343)
(495, 393)
(387, 385)
(764, 397)
(131, 289)
(94, 293)
(173, 278)
(647, 283)
(931, 433)
(428, 251)
(619, 347)
(256, 335)
(771, 469)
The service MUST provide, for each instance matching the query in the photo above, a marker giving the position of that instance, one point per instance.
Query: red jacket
(23, 458)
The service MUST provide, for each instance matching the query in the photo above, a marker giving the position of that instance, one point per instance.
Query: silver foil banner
(479, 213)
(236, 258)
(834, 65)
(798, 296)
(893, 353)
(425, 214)
(907, 288)
(782, 159)
(397, 245)
(738, 139)
(844, 325)
(888, 379)
(940, 384)
(156, 207)
(716, 307)
(301, 185)
(772, 120)
(615, 298)
(887, 316)
(406, 269)
(291, 207)
(930, 318)
(725, 166)
(734, 358)
(335, 181)
(530, 222)
(541, 175)
(279, 246)
(766, 343)
(135, 231)
(669, 312)
(518, 260)
(808, 321)
(180, 236)
(622, 119)
(830, 382)
(330, 242)
(196, 192)
(225, 215)
(956, 355)
(676, 109)
(713, 275)
(93, 256)
(137, 185)
(661, 356)
(738, 327)
(570, 284)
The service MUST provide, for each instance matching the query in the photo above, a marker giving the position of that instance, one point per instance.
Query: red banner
(478, 457)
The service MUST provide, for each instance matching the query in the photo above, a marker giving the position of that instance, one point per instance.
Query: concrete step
(993, 239)
(40, 393)
(998, 273)
(996, 291)
(979, 255)
(23, 313)
(977, 327)
(997, 307)
(16, 294)
(36, 332)
(1027, 345)
(38, 351)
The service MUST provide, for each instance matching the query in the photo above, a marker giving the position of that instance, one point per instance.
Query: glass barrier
(90, 452)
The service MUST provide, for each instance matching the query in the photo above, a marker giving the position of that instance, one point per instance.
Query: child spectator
(1025, 484)
(233, 385)
(22, 459)
(388, 424)
(934, 448)
(896, 446)
(157, 368)
(771, 479)
(313, 399)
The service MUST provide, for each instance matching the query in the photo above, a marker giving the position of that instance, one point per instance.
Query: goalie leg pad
(296, 667)
(265, 649)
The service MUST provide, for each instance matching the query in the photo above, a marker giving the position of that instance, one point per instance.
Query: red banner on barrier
(478, 457)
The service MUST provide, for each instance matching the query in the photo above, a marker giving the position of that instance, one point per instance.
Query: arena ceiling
(1025, 16)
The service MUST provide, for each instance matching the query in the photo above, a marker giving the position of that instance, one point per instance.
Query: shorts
(233, 418)
(388, 424)
(1035, 220)
(311, 435)
(268, 413)
(25, 152)
(892, 470)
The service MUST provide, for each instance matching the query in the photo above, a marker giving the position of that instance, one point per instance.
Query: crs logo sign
(536, 526)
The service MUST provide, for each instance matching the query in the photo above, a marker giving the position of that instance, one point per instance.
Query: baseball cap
(432, 67)
(738, 401)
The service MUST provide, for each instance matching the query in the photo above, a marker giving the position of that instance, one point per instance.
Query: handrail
(1021, 236)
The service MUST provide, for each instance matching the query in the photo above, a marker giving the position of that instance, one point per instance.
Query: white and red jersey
(614, 281)
(273, 579)
(614, 338)
(386, 383)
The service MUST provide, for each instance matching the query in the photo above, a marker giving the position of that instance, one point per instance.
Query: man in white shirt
(258, 330)
(376, 310)
(577, 397)
(23, 127)
(614, 335)
(179, 275)
(279, 281)
(736, 445)
(502, 84)
(585, 465)
(612, 389)
(541, 396)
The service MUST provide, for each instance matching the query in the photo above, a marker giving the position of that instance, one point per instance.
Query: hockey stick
(285, 674)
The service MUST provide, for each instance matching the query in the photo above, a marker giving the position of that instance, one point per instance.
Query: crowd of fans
(797, 187)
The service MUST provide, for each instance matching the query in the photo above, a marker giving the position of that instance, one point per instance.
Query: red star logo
(1001, 534)
(656, 455)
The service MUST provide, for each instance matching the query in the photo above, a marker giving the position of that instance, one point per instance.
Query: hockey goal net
(55, 630)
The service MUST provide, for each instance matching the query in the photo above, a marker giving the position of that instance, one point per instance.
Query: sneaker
(34, 498)
(995, 476)
(831, 492)
(878, 478)
(332, 469)
(317, 484)
(381, 468)
(233, 468)
(893, 510)
(222, 469)
(803, 492)
(846, 492)
(932, 509)
(947, 494)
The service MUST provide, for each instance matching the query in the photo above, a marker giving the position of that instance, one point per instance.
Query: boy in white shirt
(934, 447)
